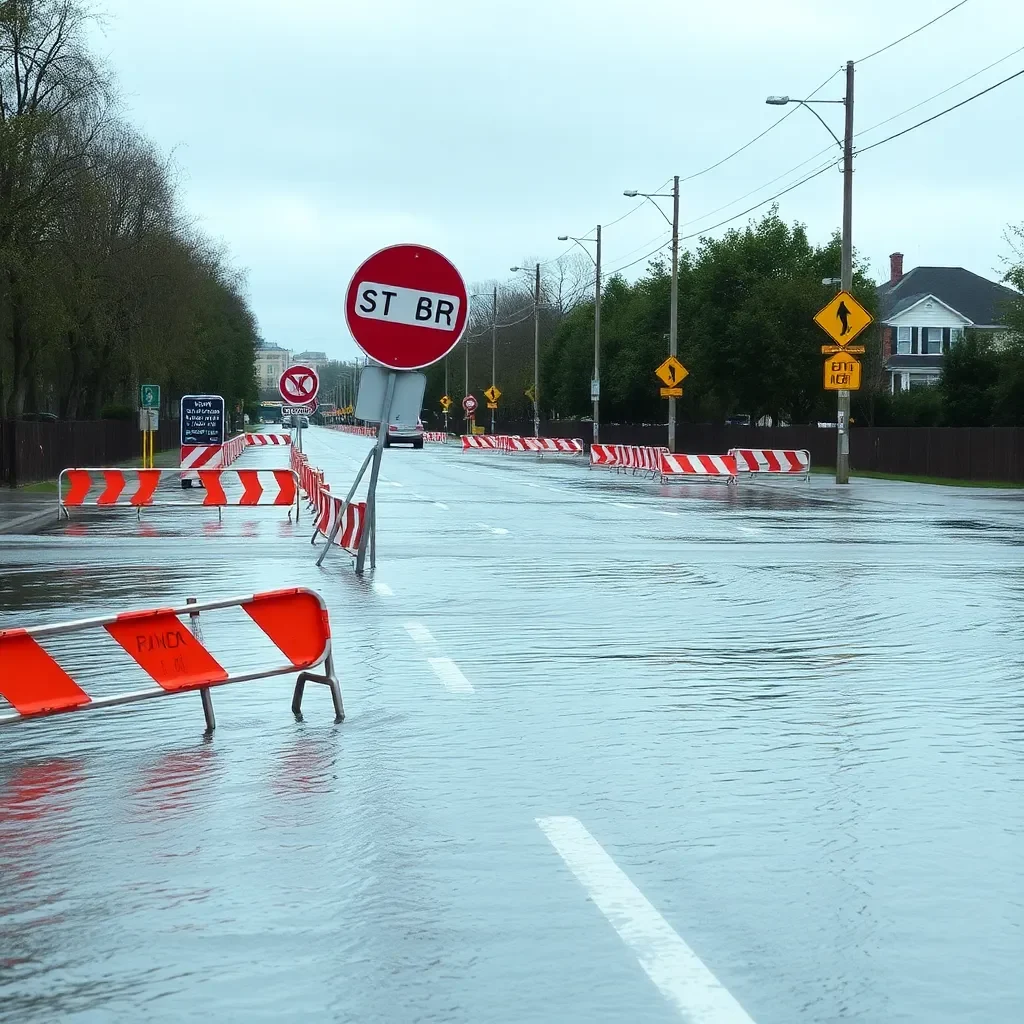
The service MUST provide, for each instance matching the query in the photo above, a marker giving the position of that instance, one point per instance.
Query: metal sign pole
(371, 496)
(344, 506)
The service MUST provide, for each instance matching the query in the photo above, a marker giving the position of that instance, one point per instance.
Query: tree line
(104, 282)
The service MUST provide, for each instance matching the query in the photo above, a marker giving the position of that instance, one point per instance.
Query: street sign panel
(672, 372)
(531, 393)
(493, 394)
(299, 410)
(149, 419)
(202, 419)
(407, 306)
(831, 350)
(299, 384)
(492, 405)
(671, 392)
(149, 396)
(406, 401)
(469, 403)
(595, 391)
(843, 318)
(842, 373)
(446, 403)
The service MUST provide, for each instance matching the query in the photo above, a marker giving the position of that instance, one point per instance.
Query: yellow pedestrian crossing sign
(446, 403)
(843, 318)
(492, 394)
(672, 372)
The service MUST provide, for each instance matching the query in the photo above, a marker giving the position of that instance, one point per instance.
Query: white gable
(929, 312)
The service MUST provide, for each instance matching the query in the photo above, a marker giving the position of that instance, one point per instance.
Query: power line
(941, 113)
(920, 28)
(950, 88)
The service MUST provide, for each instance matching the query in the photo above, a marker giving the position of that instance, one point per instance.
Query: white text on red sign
(410, 306)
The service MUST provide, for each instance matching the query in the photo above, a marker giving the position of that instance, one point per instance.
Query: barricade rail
(697, 467)
(261, 440)
(511, 443)
(172, 654)
(435, 436)
(340, 521)
(137, 488)
(773, 461)
(621, 457)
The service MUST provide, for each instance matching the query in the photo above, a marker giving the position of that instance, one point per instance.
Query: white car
(405, 433)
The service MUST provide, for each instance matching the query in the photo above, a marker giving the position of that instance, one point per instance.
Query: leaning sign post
(406, 308)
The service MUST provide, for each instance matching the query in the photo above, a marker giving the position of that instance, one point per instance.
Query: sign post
(406, 308)
(299, 386)
(469, 404)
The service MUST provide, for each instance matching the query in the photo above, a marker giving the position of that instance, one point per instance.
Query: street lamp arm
(803, 103)
(579, 242)
(650, 198)
(781, 101)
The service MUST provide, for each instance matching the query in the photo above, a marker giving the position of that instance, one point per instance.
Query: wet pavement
(597, 728)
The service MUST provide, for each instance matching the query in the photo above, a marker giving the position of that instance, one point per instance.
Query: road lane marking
(749, 529)
(622, 504)
(682, 977)
(420, 634)
(440, 504)
(450, 675)
(668, 513)
(382, 589)
(500, 531)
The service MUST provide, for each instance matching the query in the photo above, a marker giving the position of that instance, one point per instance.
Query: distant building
(271, 362)
(925, 312)
(314, 359)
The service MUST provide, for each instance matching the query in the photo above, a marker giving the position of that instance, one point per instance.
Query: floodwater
(595, 726)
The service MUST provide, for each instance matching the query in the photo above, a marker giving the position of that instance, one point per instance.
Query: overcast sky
(310, 133)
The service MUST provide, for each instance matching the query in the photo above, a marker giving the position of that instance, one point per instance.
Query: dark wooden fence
(962, 453)
(32, 451)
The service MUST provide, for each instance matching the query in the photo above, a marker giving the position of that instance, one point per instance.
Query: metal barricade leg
(330, 680)
(204, 692)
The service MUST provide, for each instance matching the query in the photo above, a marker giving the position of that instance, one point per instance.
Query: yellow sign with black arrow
(672, 372)
(446, 403)
(843, 318)
(492, 394)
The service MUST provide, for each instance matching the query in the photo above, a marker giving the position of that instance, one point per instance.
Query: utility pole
(673, 323)
(536, 354)
(846, 273)
(595, 386)
(494, 347)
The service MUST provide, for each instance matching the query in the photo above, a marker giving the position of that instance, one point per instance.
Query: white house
(925, 312)
(271, 362)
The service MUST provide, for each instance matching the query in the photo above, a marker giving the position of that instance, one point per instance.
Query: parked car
(405, 433)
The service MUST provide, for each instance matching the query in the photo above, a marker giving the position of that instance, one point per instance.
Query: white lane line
(668, 513)
(450, 675)
(622, 504)
(420, 634)
(498, 530)
(749, 529)
(382, 589)
(440, 504)
(682, 977)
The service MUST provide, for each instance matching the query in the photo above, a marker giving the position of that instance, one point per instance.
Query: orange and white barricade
(137, 488)
(638, 458)
(198, 456)
(773, 461)
(231, 450)
(697, 467)
(168, 646)
(609, 455)
(435, 436)
(511, 443)
(554, 445)
(339, 522)
(260, 440)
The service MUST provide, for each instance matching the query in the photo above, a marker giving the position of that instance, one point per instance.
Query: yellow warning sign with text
(843, 318)
(842, 373)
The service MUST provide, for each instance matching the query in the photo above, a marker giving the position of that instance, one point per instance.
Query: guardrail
(697, 468)
(773, 461)
(173, 655)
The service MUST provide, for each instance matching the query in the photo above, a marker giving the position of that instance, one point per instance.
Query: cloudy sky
(310, 133)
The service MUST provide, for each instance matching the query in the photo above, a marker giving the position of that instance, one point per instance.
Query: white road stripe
(500, 531)
(682, 977)
(749, 529)
(450, 675)
(420, 634)
(620, 504)
(382, 589)
(669, 513)
(441, 504)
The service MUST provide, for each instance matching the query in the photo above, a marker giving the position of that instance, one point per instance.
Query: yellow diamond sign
(446, 403)
(672, 372)
(843, 318)
(492, 393)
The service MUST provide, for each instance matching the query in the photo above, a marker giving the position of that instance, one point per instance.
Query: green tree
(967, 385)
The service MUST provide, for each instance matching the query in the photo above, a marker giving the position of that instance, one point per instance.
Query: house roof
(979, 300)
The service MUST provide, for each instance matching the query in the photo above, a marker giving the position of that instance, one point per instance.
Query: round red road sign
(407, 306)
(469, 403)
(299, 384)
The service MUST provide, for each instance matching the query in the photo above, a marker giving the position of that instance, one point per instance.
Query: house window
(956, 335)
(903, 335)
(933, 342)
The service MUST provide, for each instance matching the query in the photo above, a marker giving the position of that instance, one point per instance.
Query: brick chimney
(896, 268)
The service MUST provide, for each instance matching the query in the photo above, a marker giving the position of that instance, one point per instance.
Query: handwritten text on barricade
(202, 420)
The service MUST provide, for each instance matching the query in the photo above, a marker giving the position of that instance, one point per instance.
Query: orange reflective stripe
(165, 649)
(210, 479)
(286, 485)
(31, 681)
(294, 621)
(251, 486)
(80, 482)
(114, 479)
(148, 480)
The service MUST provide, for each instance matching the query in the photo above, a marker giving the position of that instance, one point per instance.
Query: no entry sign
(407, 306)
(299, 384)
(469, 404)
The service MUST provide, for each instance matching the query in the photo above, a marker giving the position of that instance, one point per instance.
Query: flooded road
(597, 728)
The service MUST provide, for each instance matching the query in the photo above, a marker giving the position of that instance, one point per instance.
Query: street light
(673, 321)
(536, 348)
(595, 384)
(846, 270)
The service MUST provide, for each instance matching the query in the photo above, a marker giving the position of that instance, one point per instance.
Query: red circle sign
(299, 384)
(469, 404)
(407, 306)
